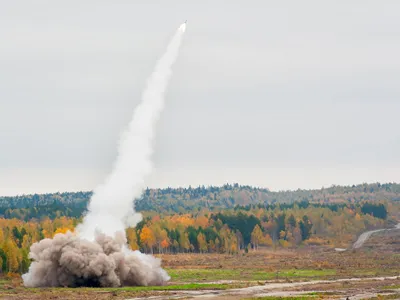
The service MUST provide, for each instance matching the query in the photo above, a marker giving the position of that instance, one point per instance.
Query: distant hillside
(173, 200)
(227, 196)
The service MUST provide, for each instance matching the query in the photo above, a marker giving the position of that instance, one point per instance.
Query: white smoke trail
(111, 206)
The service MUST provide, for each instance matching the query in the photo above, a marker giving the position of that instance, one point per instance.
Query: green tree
(305, 227)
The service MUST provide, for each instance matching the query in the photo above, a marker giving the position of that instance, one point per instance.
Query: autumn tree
(12, 253)
(147, 238)
(132, 238)
(164, 244)
(184, 241)
(201, 240)
(256, 237)
(267, 240)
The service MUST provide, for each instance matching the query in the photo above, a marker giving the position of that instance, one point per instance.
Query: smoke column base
(69, 261)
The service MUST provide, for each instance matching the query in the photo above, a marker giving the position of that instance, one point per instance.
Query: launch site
(199, 150)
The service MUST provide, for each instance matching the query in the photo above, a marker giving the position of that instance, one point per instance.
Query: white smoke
(98, 254)
(111, 207)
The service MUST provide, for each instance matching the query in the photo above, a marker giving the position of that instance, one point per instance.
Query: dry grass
(255, 267)
(358, 263)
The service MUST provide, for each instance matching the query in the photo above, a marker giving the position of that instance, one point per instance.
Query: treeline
(36, 206)
(231, 231)
(228, 196)
(182, 200)
(248, 227)
(375, 209)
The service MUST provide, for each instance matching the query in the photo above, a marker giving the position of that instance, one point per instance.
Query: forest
(227, 219)
(182, 200)
(241, 228)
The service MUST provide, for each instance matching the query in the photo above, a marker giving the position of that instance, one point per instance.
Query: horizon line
(208, 186)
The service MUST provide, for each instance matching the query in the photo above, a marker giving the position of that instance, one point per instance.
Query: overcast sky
(279, 94)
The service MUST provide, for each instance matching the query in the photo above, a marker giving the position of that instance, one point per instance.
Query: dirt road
(366, 235)
(280, 289)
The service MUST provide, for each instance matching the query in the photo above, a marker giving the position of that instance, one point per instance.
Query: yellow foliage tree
(201, 240)
(12, 253)
(132, 238)
(284, 244)
(256, 237)
(268, 240)
(62, 230)
(201, 221)
(147, 238)
(184, 241)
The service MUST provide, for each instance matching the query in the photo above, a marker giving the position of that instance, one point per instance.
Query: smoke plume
(97, 255)
(111, 208)
(70, 261)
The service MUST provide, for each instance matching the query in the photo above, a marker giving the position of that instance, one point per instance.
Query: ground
(310, 272)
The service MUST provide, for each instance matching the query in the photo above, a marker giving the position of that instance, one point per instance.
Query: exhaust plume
(98, 255)
(111, 207)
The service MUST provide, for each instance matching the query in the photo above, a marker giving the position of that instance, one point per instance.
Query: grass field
(220, 273)
(244, 274)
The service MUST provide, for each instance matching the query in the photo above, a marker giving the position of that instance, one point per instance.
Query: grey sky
(280, 94)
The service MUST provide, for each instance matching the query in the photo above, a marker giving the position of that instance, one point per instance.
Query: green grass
(392, 287)
(243, 274)
(306, 296)
(369, 273)
(386, 297)
(175, 287)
